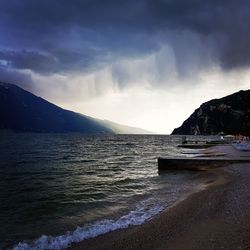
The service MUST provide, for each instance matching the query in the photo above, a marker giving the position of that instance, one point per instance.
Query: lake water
(56, 189)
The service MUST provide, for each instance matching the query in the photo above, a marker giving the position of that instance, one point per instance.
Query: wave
(141, 214)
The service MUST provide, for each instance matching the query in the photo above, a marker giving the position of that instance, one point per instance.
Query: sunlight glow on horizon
(157, 110)
(138, 92)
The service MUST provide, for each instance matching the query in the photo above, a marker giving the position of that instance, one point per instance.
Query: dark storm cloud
(61, 35)
(46, 63)
(12, 76)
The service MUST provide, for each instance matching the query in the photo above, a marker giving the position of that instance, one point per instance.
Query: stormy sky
(145, 63)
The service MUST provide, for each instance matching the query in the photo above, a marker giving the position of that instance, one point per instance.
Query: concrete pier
(198, 163)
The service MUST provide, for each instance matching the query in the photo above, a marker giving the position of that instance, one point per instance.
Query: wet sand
(217, 217)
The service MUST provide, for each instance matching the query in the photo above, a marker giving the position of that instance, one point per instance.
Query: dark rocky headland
(230, 115)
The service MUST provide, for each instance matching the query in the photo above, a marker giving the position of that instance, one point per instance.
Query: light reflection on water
(51, 183)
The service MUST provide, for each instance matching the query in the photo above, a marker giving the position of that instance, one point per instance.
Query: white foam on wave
(141, 214)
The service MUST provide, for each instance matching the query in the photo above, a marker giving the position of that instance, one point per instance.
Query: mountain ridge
(123, 129)
(229, 114)
(22, 111)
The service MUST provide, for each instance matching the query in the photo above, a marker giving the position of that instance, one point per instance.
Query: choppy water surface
(72, 187)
